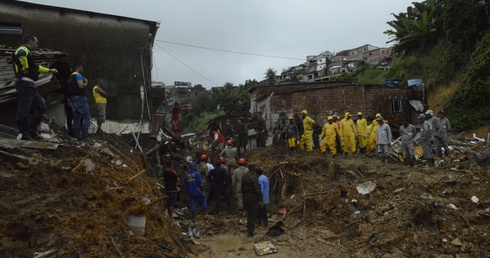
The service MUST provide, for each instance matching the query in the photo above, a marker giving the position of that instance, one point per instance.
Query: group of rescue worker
(342, 136)
(238, 133)
(229, 177)
(350, 136)
(246, 188)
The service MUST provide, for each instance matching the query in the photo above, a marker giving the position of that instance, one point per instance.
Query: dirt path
(294, 243)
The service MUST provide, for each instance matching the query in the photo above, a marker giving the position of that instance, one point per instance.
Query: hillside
(51, 203)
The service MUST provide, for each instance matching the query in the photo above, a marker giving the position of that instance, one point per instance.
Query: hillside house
(326, 65)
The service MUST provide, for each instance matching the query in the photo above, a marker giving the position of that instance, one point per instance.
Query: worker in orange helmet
(230, 154)
(236, 179)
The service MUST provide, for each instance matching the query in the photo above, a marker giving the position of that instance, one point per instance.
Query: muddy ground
(55, 205)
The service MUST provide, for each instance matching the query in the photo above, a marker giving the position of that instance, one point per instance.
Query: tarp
(417, 104)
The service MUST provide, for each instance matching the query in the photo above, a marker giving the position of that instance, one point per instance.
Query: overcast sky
(270, 33)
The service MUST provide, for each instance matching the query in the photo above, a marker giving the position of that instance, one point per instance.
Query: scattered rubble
(97, 199)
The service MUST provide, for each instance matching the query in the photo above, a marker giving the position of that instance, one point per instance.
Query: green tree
(270, 76)
(250, 84)
(417, 29)
(198, 88)
(436, 37)
(469, 105)
(231, 99)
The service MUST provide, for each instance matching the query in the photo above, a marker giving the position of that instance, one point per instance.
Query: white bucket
(137, 224)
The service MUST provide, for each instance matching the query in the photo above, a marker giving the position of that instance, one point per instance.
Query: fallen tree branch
(358, 171)
(464, 149)
(135, 176)
(315, 194)
(117, 249)
(21, 157)
(152, 150)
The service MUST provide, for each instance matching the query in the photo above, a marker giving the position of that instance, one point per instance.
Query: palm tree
(270, 76)
(416, 30)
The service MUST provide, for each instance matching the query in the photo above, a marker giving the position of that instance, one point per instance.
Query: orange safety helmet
(229, 142)
(204, 157)
(242, 161)
(222, 159)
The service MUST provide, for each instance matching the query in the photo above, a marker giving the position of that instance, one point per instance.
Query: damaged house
(114, 49)
(329, 98)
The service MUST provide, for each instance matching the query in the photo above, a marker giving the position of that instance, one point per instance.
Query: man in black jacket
(171, 180)
(220, 178)
(27, 73)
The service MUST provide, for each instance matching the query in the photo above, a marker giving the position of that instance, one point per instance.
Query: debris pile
(96, 199)
(81, 199)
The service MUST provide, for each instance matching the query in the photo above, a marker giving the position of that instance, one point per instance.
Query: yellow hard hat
(347, 114)
(290, 117)
(304, 112)
(378, 115)
(330, 117)
(359, 113)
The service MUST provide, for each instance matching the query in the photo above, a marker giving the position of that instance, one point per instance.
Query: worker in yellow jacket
(330, 132)
(372, 135)
(348, 133)
(362, 131)
(307, 132)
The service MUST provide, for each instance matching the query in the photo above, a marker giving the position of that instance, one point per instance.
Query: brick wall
(327, 98)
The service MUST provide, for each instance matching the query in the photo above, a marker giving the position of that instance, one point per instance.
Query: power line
(190, 68)
(229, 51)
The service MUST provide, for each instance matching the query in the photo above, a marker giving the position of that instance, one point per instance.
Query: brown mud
(50, 202)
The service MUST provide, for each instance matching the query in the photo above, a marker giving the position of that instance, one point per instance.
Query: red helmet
(222, 159)
(229, 142)
(204, 157)
(242, 161)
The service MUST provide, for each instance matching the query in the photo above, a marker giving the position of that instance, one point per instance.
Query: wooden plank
(11, 144)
